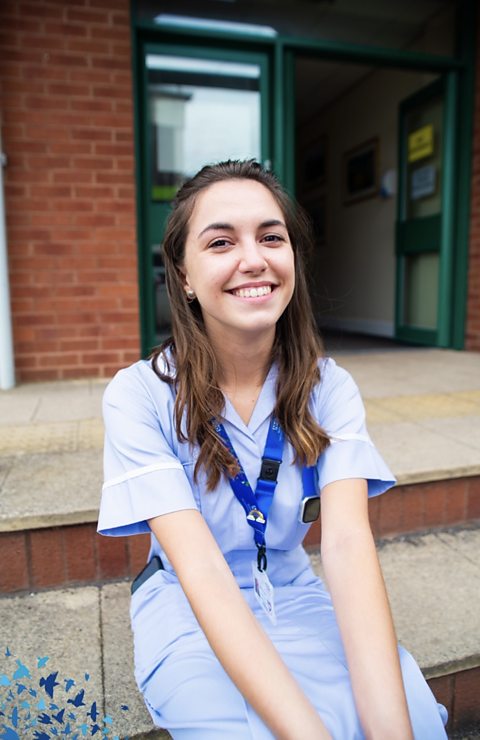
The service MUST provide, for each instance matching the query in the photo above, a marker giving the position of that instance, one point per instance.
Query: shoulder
(336, 395)
(333, 377)
(139, 385)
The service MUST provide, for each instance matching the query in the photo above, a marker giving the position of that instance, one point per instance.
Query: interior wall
(354, 266)
(354, 269)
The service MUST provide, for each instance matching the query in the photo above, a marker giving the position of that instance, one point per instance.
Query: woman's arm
(242, 647)
(363, 613)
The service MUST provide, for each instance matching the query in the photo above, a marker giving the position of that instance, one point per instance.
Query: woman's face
(238, 259)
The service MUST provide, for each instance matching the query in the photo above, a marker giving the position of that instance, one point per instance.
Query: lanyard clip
(261, 558)
(269, 469)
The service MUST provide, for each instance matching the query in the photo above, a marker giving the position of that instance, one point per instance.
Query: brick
(413, 508)
(473, 505)
(390, 520)
(443, 691)
(434, 502)
(456, 500)
(86, 16)
(47, 557)
(79, 372)
(80, 557)
(66, 29)
(112, 557)
(138, 548)
(14, 574)
(467, 693)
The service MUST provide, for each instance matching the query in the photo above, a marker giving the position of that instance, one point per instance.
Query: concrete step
(423, 411)
(434, 586)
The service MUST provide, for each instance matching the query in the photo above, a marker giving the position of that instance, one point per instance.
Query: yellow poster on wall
(420, 143)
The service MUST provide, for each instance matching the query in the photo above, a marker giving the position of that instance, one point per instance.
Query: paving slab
(120, 686)
(6, 464)
(55, 632)
(465, 431)
(418, 371)
(57, 436)
(64, 406)
(417, 453)
(52, 401)
(16, 408)
(51, 490)
(434, 587)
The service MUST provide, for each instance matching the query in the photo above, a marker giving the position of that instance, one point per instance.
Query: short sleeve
(351, 454)
(143, 476)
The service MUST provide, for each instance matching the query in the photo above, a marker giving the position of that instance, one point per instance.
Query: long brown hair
(296, 349)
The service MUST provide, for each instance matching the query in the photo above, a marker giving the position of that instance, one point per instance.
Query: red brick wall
(67, 126)
(473, 306)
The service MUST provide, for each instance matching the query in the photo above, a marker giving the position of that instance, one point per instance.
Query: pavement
(433, 582)
(423, 412)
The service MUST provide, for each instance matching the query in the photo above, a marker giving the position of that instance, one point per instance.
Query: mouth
(253, 291)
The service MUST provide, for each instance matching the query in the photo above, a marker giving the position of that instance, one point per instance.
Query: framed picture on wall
(314, 165)
(360, 172)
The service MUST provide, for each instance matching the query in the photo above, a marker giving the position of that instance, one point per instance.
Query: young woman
(218, 445)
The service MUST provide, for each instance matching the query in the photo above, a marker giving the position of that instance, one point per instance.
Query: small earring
(190, 295)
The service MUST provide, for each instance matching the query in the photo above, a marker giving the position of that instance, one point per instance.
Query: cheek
(289, 268)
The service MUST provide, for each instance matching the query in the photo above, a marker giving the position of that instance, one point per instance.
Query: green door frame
(145, 207)
(459, 72)
(435, 231)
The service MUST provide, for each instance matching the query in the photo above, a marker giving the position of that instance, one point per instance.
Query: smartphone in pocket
(151, 567)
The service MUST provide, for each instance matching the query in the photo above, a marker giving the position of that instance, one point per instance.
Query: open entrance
(372, 197)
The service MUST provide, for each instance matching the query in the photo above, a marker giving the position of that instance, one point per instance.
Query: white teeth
(253, 292)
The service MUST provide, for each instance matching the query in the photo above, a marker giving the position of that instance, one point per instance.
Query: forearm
(363, 613)
(241, 645)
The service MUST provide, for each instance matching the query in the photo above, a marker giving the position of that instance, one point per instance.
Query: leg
(194, 699)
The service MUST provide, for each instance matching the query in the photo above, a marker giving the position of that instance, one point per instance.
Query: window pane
(200, 111)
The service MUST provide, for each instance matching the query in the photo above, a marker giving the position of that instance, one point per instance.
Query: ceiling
(393, 24)
(390, 23)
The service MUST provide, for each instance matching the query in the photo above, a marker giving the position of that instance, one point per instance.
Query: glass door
(200, 106)
(423, 237)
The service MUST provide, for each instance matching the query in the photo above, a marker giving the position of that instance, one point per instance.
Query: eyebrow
(220, 226)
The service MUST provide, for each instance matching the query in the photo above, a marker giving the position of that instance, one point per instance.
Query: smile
(252, 292)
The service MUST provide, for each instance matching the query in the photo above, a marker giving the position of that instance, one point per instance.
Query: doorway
(349, 177)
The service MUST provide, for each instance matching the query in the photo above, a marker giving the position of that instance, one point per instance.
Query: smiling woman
(221, 445)
(241, 270)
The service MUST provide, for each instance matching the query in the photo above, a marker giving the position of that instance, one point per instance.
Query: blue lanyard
(257, 504)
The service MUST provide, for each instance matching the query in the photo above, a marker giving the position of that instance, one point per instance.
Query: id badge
(264, 592)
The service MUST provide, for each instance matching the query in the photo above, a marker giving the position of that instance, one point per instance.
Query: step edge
(449, 667)
(23, 522)
(46, 521)
(431, 476)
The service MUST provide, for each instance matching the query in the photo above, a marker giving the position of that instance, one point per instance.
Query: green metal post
(445, 288)
(466, 48)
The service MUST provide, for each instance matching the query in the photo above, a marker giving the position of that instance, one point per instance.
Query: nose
(252, 259)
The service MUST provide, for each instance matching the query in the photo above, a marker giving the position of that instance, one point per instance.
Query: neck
(243, 361)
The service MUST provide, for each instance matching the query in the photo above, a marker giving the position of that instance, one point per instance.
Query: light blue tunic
(148, 472)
